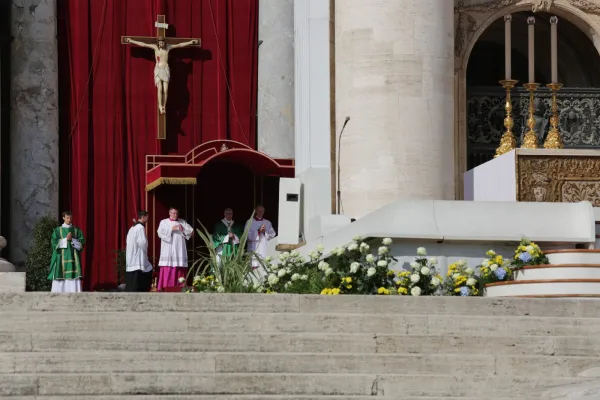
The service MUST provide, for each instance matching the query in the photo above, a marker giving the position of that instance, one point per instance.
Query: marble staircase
(292, 347)
(569, 273)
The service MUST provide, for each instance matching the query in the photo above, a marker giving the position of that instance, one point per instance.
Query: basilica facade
(413, 83)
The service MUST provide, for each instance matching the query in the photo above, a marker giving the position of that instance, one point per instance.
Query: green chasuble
(66, 263)
(219, 234)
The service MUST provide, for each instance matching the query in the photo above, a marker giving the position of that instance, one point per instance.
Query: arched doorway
(578, 101)
(213, 176)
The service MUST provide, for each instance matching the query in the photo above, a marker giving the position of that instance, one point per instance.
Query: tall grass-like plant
(39, 255)
(233, 273)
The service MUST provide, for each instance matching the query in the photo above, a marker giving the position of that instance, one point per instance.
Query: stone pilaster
(34, 120)
(312, 109)
(394, 78)
(276, 78)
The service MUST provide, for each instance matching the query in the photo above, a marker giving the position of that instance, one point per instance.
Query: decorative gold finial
(224, 147)
(553, 140)
(508, 141)
(530, 139)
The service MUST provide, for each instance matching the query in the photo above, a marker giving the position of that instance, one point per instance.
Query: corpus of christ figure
(162, 74)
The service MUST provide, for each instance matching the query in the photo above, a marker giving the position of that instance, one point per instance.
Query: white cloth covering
(257, 242)
(173, 249)
(137, 249)
(161, 74)
(66, 286)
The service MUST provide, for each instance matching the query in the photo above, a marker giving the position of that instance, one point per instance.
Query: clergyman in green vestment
(65, 267)
(226, 235)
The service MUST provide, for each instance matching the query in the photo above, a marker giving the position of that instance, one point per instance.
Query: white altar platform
(539, 175)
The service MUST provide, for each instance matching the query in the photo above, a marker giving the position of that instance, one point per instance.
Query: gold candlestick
(553, 140)
(530, 139)
(507, 142)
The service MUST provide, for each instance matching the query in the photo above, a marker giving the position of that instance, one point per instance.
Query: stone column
(394, 78)
(312, 110)
(276, 78)
(34, 120)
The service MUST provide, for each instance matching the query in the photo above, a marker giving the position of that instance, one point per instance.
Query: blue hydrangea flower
(525, 256)
(465, 291)
(500, 273)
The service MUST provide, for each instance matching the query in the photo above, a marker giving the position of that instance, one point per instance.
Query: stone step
(298, 343)
(32, 322)
(251, 397)
(314, 304)
(277, 384)
(303, 363)
(299, 363)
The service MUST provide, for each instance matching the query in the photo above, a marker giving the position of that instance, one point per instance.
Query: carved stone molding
(470, 17)
(559, 179)
(587, 6)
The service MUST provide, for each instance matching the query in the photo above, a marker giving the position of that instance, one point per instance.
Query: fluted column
(394, 78)
(276, 78)
(34, 120)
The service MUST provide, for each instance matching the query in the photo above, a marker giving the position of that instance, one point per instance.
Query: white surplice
(137, 249)
(173, 249)
(257, 242)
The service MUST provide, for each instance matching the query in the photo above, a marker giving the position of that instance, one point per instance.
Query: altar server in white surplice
(138, 275)
(260, 231)
(173, 261)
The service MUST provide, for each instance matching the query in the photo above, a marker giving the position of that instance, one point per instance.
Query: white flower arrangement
(422, 278)
(355, 270)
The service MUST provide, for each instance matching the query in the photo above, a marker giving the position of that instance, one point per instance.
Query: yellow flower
(348, 286)
(402, 290)
(383, 290)
(324, 291)
(404, 274)
(335, 291)
(457, 290)
(390, 273)
(347, 279)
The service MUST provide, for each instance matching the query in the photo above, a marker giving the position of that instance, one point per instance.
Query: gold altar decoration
(558, 176)
(530, 139)
(553, 140)
(508, 141)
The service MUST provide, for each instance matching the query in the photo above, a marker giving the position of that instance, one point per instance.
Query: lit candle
(554, 48)
(531, 32)
(507, 46)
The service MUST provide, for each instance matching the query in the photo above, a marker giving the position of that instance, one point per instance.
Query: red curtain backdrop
(108, 104)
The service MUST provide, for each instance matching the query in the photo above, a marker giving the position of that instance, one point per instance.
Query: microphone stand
(339, 152)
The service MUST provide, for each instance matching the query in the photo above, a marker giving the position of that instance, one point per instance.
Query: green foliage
(232, 273)
(120, 265)
(39, 256)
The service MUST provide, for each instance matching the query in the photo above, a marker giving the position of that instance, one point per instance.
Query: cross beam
(161, 30)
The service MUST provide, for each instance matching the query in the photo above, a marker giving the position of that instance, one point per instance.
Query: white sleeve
(62, 244)
(141, 240)
(187, 230)
(76, 244)
(252, 232)
(270, 232)
(165, 233)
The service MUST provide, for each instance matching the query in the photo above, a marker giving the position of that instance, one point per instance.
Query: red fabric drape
(108, 104)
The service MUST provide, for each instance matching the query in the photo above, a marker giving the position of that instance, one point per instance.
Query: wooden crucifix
(161, 44)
